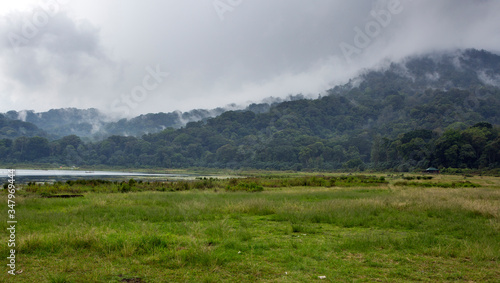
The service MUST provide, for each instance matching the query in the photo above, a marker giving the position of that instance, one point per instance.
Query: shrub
(125, 188)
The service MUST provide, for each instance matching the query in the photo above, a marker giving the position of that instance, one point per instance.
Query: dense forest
(440, 110)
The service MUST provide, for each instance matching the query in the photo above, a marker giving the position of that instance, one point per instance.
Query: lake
(30, 175)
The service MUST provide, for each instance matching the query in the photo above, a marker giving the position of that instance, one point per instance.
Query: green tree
(226, 153)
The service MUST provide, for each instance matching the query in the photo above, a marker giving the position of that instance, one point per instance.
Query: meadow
(273, 228)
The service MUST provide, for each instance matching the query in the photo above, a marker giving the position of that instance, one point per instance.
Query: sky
(128, 57)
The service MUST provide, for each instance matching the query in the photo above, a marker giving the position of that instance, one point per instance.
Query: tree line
(477, 146)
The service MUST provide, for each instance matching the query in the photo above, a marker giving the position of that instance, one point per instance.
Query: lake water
(29, 175)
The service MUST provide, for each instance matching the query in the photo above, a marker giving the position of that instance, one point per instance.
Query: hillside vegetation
(437, 110)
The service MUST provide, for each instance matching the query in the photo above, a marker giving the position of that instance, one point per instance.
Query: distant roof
(432, 169)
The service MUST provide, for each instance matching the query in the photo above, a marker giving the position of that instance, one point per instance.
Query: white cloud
(92, 51)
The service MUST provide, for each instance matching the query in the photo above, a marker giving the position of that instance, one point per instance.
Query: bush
(125, 188)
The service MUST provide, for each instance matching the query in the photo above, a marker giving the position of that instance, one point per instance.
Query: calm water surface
(29, 175)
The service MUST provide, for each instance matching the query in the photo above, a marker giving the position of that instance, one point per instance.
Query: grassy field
(366, 232)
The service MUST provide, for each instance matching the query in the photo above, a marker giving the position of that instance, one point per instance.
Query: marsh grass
(283, 234)
(249, 184)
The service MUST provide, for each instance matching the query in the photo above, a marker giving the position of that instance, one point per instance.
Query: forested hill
(94, 125)
(15, 128)
(435, 110)
(430, 92)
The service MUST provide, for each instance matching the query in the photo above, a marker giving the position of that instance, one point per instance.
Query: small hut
(432, 170)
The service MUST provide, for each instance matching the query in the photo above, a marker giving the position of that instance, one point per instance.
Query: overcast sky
(131, 57)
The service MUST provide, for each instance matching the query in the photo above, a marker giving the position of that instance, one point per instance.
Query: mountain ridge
(425, 111)
(93, 124)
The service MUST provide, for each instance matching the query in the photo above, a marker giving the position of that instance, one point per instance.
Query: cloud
(52, 65)
(93, 52)
(430, 25)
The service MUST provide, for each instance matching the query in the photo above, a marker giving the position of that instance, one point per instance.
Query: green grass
(464, 184)
(377, 232)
